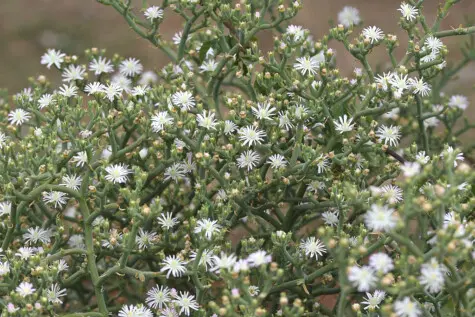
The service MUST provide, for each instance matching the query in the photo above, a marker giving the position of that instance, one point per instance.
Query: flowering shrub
(237, 182)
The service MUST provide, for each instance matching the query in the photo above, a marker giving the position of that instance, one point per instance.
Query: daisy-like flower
(433, 43)
(330, 217)
(71, 181)
(158, 297)
(153, 13)
(52, 57)
(122, 81)
(117, 173)
(62, 266)
(68, 90)
(410, 169)
(322, 164)
(4, 268)
(11, 308)
(145, 238)
(259, 258)
(384, 80)
(18, 116)
(458, 101)
(94, 88)
(373, 34)
(168, 312)
(186, 302)
(167, 221)
(432, 276)
(313, 247)
(229, 127)
(208, 226)
(399, 82)
(248, 159)
(277, 161)
(389, 134)
(264, 111)
(130, 67)
(458, 157)
(25, 252)
(349, 16)
(173, 266)
(3, 140)
(420, 87)
(206, 259)
(408, 11)
(54, 294)
(253, 290)
(101, 65)
(80, 158)
(5, 208)
(25, 289)
(373, 300)
(184, 100)
(431, 122)
(422, 158)
(380, 218)
(160, 120)
(76, 241)
(56, 198)
(363, 278)
(343, 124)
(250, 135)
(308, 65)
(241, 266)
(73, 72)
(134, 311)
(207, 120)
(223, 261)
(381, 262)
(139, 90)
(295, 31)
(112, 91)
(45, 101)
(208, 66)
(406, 308)
(174, 172)
(177, 37)
(284, 121)
(431, 56)
(393, 193)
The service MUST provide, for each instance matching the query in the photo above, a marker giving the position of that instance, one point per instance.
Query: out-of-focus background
(29, 27)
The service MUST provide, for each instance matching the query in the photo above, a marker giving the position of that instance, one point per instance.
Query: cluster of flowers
(235, 182)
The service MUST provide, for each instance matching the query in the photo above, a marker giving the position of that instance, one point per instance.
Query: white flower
(80, 158)
(3, 140)
(56, 198)
(406, 308)
(422, 158)
(241, 266)
(380, 218)
(223, 262)
(259, 258)
(313, 247)
(25, 289)
(433, 43)
(18, 116)
(374, 300)
(76, 241)
(384, 80)
(184, 100)
(250, 135)
(284, 121)
(343, 124)
(174, 266)
(62, 266)
(130, 67)
(458, 101)
(408, 11)
(432, 276)
(153, 13)
(207, 120)
(158, 297)
(208, 66)
(186, 302)
(168, 312)
(160, 120)
(167, 221)
(139, 90)
(45, 101)
(399, 82)
(117, 173)
(363, 278)
(134, 311)
(248, 159)
(68, 91)
(393, 193)
(411, 168)
(5, 208)
(206, 260)
(94, 88)
(381, 262)
(101, 65)
(431, 56)
(112, 90)
(263, 111)
(389, 134)
(54, 292)
(145, 238)
(373, 34)
(349, 16)
(73, 72)
(72, 181)
(420, 87)
(174, 172)
(52, 57)
(330, 217)
(458, 157)
(277, 161)
(85, 134)
(308, 65)
(322, 163)
(295, 31)
(122, 81)
(25, 252)
(177, 38)
(208, 226)
(229, 127)
(11, 308)
(147, 78)
(4, 268)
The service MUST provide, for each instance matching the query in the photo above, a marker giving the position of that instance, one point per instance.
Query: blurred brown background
(29, 27)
